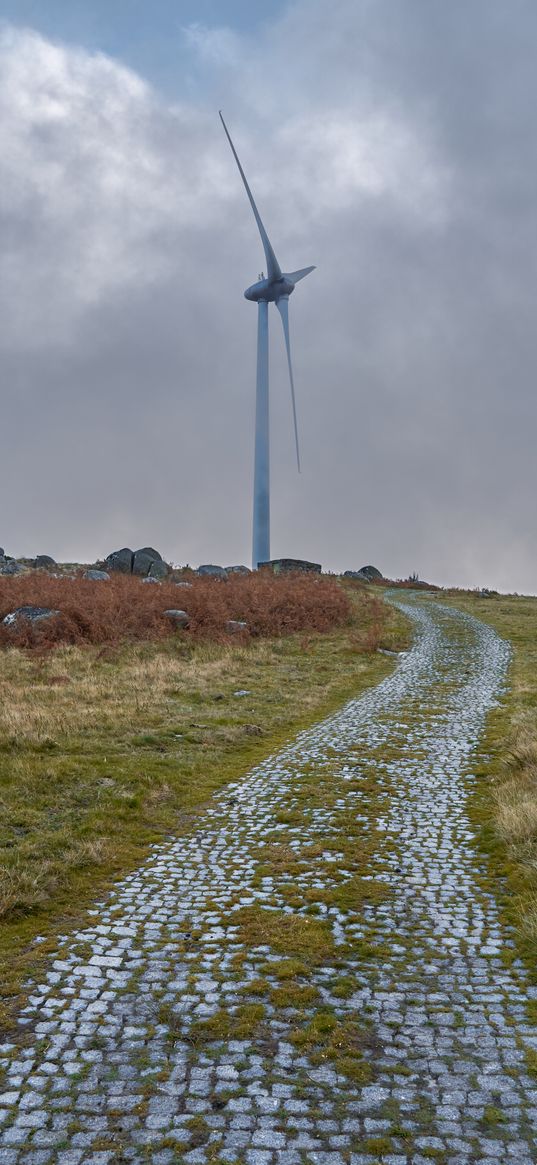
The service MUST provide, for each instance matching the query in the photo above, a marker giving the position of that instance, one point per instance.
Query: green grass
(504, 804)
(295, 936)
(242, 1024)
(103, 751)
(340, 1043)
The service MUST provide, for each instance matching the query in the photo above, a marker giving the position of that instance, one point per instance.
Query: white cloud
(100, 178)
(97, 174)
(129, 352)
(341, 156)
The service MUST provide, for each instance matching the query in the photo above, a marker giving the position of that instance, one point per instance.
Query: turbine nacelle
(276, 286)
(269, 289)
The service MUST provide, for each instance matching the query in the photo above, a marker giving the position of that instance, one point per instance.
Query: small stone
(178, 618)
(29, 614)
(213, 571)
(96, 575)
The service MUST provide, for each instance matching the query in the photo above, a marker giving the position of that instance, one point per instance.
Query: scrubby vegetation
(125, 609)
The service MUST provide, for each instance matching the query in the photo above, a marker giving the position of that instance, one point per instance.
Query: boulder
(2, 552)
(371, 572)
(214, 571)
(44, 562)
(142, 562)
(151, 552)
(237, 570)
(178, 618)
(287, 565)
(158, 569)
(150, 579)
(97, 575)
(30, 614)
(145, 558)
(357, 574)
(120, 560)
(11, 566)
(182, 583)
(236, 625)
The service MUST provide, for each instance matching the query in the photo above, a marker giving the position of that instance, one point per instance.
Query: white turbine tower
(276, 288)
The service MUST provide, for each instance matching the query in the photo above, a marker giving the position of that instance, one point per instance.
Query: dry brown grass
(112, 690)
(125, 609)
(516, 817)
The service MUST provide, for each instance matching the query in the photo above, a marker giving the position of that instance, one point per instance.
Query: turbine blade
(273, 267)
(283, 307)
(296, 276)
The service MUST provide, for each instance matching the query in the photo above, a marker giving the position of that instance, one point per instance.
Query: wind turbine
(276, 288)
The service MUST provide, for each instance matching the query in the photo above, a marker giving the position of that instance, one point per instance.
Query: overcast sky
(390, 142)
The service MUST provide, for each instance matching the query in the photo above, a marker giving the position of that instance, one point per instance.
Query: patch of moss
(242, 1023)
(305, 938)
(295, 996)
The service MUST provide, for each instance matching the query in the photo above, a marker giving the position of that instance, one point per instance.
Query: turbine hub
(269, 289)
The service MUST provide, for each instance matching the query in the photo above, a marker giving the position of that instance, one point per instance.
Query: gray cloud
(394, 146)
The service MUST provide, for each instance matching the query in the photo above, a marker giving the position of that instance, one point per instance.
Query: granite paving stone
(165, 1030)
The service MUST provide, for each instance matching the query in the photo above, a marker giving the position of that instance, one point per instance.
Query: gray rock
(183, 583)
(357, 574)
(371, 572)
(287, 565)
(151, 552)
(142, 562)
(236, 625)
(214, 571)
(44, 561)
(121, 560)
(159, 569)
(179, 618)
(30, 614)
(97, 575)
(237, 570)
(13, 567)
(150, 579)
(2, 552)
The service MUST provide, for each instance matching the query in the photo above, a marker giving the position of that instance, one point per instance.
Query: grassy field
(505, 806)
(104, 750)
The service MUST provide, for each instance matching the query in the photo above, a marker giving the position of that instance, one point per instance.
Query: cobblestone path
(315, 975)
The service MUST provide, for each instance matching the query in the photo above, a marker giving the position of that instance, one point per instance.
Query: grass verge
(504, 804)
(104, 751)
